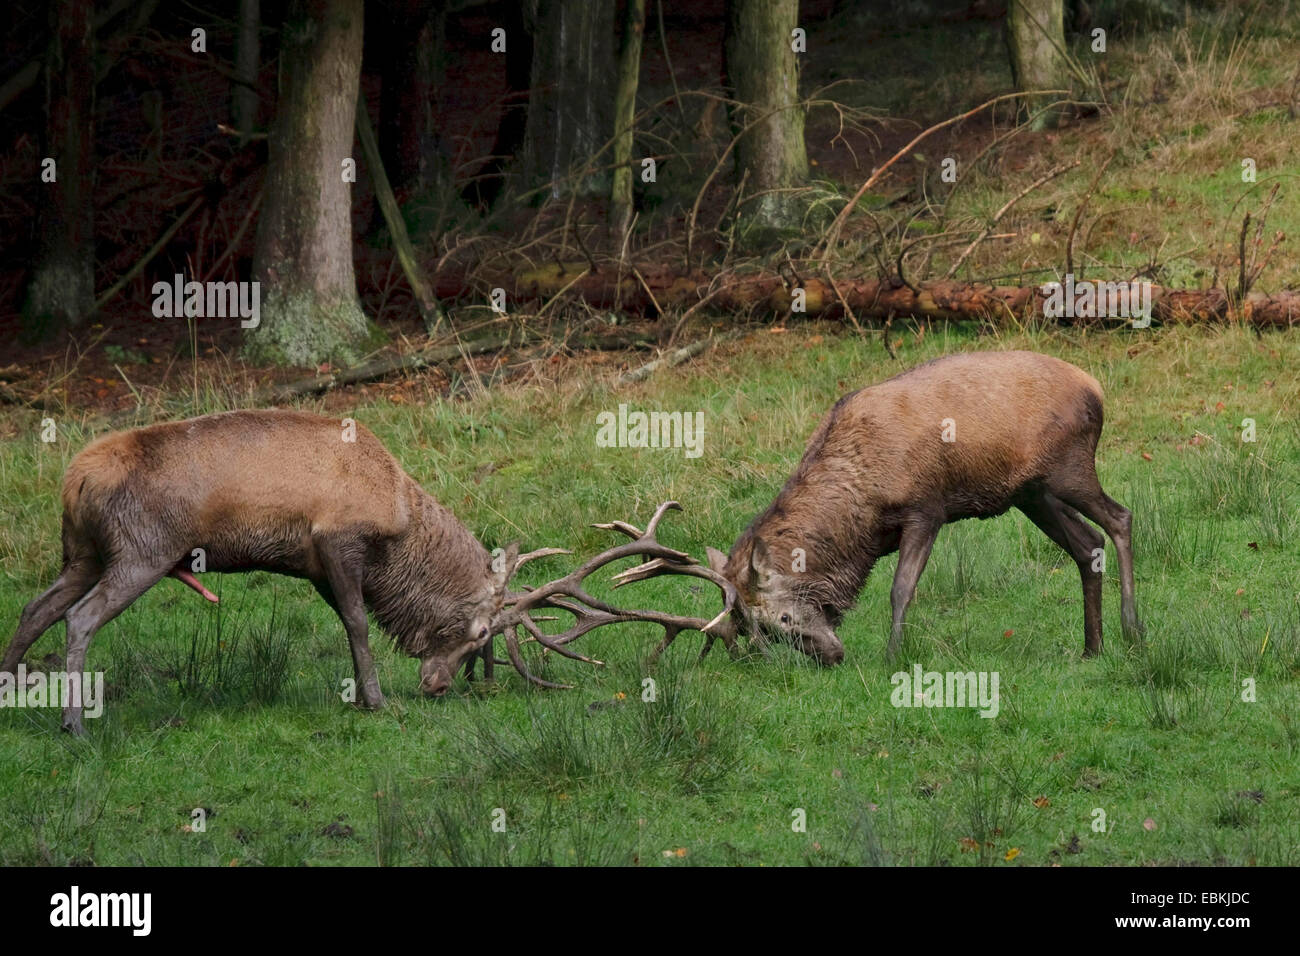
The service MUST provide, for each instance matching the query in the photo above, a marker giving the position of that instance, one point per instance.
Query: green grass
(236, 708)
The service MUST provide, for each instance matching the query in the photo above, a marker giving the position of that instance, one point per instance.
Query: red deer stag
(959, 437)
(314, 498)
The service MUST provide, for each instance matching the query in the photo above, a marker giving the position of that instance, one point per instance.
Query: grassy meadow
(1146, 755)
(236, 708)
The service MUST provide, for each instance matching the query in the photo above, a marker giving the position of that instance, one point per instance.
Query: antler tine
(659, 513)
(552, 645)
(659, 567)
(516, 658)
(534, 555)
(631, 530)
(569, 594)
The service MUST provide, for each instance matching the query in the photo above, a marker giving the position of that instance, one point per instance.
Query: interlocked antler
(569, 594)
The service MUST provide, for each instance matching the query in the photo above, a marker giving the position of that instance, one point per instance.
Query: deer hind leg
(1082, 542)
(38, 616)
(914, 547)
(342, 589)
(1083, 492)
(122, 582)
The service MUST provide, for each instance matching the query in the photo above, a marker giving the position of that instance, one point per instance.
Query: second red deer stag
(313, 498)
(966, 436)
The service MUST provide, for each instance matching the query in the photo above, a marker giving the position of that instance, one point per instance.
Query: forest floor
(1186, 105)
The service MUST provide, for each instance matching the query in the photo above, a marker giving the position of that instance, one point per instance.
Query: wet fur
(1027, 425)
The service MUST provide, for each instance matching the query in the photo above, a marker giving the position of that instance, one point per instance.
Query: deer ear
(761, 567)
(501, 565)
(717, 560)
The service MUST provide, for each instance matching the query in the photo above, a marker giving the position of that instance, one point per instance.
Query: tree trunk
(303, 257)
(490, 179)
(762, 72)
(629, 70)
(1036, 39)
(243, 101)
(61, 292)
(569, 110)
(411, 71)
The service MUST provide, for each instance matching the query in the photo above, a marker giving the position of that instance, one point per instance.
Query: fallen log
(654, 290)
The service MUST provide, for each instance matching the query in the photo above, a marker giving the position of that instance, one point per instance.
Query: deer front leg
(913, 552)
(343, 580)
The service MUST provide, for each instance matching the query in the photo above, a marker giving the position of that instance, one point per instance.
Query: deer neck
(827, 527)
(427, 578)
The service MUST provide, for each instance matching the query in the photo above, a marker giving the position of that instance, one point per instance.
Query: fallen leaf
(1008, 632)
(1148, 824)
(1011, 854)
(968, 845)
(1042, 802)
(1146, 456)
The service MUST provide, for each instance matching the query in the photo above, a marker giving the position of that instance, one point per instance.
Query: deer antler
(569, 594)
